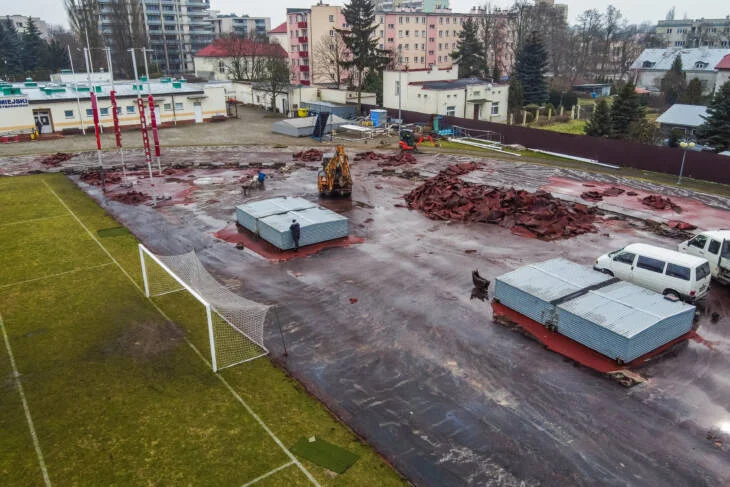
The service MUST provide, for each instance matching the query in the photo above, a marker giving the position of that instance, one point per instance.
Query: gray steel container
(534, 290)
(317, 225)
(249, 214)
(623, 321)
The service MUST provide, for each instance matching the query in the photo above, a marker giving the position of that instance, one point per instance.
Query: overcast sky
(635, 10)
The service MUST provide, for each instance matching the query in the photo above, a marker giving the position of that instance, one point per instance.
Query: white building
(651, 66)
(243, 26)
(21, 21)
(279, 35)
(694, 32)
(441, 92)
(175, 28)
(215, 61)
(62, 107)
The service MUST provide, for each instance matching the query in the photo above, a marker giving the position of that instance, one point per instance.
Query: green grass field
(108, 392)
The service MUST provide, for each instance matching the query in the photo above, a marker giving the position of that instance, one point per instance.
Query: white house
(651, 66)
(62, 106)
(215, 61)
(441, 92)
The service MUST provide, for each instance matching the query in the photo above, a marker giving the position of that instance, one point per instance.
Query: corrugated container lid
(553, 279)
(624, 308)
(305, 218)
(272, 206)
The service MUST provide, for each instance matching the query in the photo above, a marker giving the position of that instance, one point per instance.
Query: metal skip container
(270, 219)
(534, 289)
(623, 321)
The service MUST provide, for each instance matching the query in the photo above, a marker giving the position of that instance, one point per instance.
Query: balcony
(303, 53)
(304, 82)
(304, 69)
(303, 40)
(301, 25)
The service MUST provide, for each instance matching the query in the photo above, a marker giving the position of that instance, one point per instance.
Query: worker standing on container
(295, 233)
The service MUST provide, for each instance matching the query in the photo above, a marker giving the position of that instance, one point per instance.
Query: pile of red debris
(311, 155)
(658, 202)
(131, 197)
(386, 160)
(599, 195)
(535, 215)
(680, 225)
(55, 160)
(94, 178)
(460, 169)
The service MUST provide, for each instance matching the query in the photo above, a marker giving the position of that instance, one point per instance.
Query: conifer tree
(625, 111)
(674, 82)
(35, 49)
(11, 48)
(469, 53)
(715, 132)
(531, 68)
(600, 123)
(693, 93)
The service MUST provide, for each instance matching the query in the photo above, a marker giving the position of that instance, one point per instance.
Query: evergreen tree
(530, 69)
(35, 49)
(515, 97)
(600, 123)
(362, 43)
(470, 51)
(625, 111)
(12, 48)
(715, 132)
(496, 73)
(674, 82)
(693, 93)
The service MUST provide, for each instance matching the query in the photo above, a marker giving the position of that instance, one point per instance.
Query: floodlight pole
(148, 159)
(76, 89)
(685, 146)
(152, 108)
(95, 110)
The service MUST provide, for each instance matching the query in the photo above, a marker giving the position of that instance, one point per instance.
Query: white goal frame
(209, 309)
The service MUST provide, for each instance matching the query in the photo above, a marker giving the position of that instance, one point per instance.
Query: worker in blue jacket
(296, 231)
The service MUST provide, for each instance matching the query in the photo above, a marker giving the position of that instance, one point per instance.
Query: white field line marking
(192, 346)
(31, 220)
(17, 283)
(267, 474)
(28, 417)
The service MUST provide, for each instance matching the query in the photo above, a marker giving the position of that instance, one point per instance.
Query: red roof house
(238, 47)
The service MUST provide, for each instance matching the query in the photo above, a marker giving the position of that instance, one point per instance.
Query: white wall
(722, 78)
(16, 115)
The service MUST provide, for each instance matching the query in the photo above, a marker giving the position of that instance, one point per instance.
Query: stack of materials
(615, 318)
(270, 219)
(304, 127)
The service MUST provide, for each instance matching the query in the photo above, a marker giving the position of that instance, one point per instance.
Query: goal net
(235, 324)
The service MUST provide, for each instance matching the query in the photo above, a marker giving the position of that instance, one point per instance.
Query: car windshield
(611, 254)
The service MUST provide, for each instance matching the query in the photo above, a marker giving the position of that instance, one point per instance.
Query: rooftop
(451, 84)
(233, 46)
(697, 59)
(724, 63)
(280, 29)
(686, 115)
(124, 89)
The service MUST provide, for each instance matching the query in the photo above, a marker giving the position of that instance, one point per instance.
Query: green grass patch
(572, 127)
(117, 393)
(324, 454)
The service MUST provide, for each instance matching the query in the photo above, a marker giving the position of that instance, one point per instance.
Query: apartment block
(21, 21)
(413, 5)
(176, 29)
(692, 33)
(244, 26)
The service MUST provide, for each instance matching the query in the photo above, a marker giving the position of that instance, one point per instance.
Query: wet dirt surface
(385, 333)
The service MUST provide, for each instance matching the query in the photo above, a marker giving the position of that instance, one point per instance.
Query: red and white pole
(143, 127)
(155, 136)
(95, 112)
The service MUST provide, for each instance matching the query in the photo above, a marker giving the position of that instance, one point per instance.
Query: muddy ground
(419, 369)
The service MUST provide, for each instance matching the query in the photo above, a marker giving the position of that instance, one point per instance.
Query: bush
(549, 107)
(675, 137)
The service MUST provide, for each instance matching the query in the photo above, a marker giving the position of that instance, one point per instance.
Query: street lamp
(685, 146)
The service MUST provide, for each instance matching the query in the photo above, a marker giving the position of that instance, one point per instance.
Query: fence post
(537, 114)
(524, 117)
(550, 114)
(562, 109)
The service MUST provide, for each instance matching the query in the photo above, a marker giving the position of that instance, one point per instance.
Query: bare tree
(627, 48)
(277, 77)
(83, 17)
(488, 24)
(588, 31)
(612, 24)
(327, 57)
(127, 31)
(247, 57)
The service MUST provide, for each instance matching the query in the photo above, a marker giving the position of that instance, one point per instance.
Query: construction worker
(296, 231)
(261, 178)
(38, 127)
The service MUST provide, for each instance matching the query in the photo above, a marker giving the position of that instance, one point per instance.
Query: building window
(397, 88)
(400, 20)
(439, 46)
(221, 67)
(68, 113)
(332, 33)
(167, 107)
(178, 105)
(332, 18)
(415, 33)
(669, 31)
(400, 33)
(495, 108)
(130, 108)
(450, 111)
(406, 59)
(119, 110)
(408, 33)
(89, 112)
(423, 33)
(439, 58)
(407, 46)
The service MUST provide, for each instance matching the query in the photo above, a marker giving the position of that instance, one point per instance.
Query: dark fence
(698, 165)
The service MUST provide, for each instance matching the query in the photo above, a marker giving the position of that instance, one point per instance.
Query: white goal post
(235, 324)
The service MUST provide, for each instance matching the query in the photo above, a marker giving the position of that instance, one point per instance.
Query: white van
(714, 246)
(662, 270)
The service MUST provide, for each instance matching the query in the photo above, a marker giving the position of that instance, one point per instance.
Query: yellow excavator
(334, 178)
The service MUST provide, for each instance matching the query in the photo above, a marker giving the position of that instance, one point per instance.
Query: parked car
(714, 246)
(662, 270)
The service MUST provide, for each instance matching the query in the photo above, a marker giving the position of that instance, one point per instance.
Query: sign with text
(13, 102)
